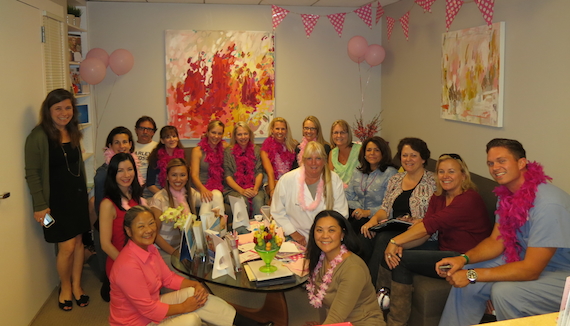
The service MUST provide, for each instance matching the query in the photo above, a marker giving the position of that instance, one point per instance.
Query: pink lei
(513, 208)
(215, 159)
(281, 159)
(245, 165)
(316, 299)
(318, 197)
(162, 162)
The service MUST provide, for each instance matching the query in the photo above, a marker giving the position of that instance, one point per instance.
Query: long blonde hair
(314, 120)
(316, 148)
(290, 143)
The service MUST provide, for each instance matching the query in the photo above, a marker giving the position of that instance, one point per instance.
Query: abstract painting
(219, 75)
(472, 75)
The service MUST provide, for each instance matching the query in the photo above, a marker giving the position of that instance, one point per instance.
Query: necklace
(365, 189)
(318, 197)
(316, 299)
(67, 163)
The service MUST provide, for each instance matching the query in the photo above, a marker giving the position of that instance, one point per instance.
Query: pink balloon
(355, 59)
(121, 61)
(100, 54)
(92, 70)
(375, 55)
(357, 47)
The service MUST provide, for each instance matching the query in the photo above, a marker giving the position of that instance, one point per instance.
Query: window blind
(54, 58)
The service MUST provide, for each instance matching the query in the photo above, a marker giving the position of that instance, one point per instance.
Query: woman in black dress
(53, 153)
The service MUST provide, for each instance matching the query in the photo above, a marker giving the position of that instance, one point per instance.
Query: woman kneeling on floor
(140, 264)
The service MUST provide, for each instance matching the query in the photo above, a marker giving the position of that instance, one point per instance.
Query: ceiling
(281, 3)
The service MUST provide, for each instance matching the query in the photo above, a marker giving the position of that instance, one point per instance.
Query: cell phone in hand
(48, 220)
(445, 267)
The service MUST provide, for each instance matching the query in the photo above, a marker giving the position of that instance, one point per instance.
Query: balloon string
(102, 114)
(364, 91)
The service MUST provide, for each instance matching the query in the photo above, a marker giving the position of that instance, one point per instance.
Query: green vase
(267, 257)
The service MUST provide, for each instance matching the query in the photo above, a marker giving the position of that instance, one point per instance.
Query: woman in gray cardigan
(53, 152)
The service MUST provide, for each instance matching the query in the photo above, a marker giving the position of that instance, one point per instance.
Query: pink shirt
(136, 279)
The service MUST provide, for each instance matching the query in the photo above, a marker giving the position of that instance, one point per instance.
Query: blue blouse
(366, 191)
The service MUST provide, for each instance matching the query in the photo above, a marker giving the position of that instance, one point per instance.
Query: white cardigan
(287, 211)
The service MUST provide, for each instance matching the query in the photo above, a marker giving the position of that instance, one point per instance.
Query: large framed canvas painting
(472, 75)
(223, 75)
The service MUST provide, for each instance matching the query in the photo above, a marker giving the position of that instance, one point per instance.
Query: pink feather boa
(245, 165)
(281, 159)
(215, 159)
(513, 208)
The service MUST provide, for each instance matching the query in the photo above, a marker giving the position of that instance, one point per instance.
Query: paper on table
(289, 247)
(248, 255)
(298, 267)
(239, 210)
(246, 247)
(245, 238)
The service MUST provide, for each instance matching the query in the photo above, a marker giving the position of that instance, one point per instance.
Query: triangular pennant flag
(451, 9)
(487, 9)
(390, 24)
(379, 12)
(277, 15)
(405, 22)
(309, 21)
(337, 20)
(425, 4)
(365, 13)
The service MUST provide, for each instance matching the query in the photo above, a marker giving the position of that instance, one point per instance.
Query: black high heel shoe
(67, 305)
(83, 301)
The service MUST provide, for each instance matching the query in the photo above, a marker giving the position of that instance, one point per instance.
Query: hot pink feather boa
(281, 159)
(215, 159)
(245, 165)
(513, 208)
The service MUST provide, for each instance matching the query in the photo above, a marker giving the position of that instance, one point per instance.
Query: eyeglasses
(309, 128)
(452, 155)
(340, 133)
(146, 129)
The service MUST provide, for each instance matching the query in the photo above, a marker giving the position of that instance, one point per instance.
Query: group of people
(325, 196)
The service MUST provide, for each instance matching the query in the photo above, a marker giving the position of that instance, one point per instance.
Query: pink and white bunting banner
(365, 13)
(309, 21)
(405, 22)
(390, 25)
(487, 9)
(337, 20)
(425, 4)
(451, 9)
(277, 15)
(379, 12)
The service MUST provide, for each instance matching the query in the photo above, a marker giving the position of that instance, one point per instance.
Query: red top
(118, 237)
(462, 224)
(136, 280)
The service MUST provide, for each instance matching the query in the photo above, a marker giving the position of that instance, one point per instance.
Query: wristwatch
(472, 276)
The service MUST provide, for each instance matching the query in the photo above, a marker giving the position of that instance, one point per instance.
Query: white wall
(313, 76)
(28, 271)
(537, 83)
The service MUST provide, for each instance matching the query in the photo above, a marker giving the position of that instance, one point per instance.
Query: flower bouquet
(175, 215)
(267, 244)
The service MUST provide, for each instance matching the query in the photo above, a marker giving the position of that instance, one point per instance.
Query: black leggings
(418, 261)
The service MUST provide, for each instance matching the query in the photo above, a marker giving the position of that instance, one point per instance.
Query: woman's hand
(299, 238)
(360, 213)
(249, 192)
(39, 216)
(195, 302)
(206, 195)
(365, 230)
(392, 255)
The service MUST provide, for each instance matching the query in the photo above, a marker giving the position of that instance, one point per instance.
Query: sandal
(83, 301)
(66, 305)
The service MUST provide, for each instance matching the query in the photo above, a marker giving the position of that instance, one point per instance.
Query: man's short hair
(514, 146)
(143, 119)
